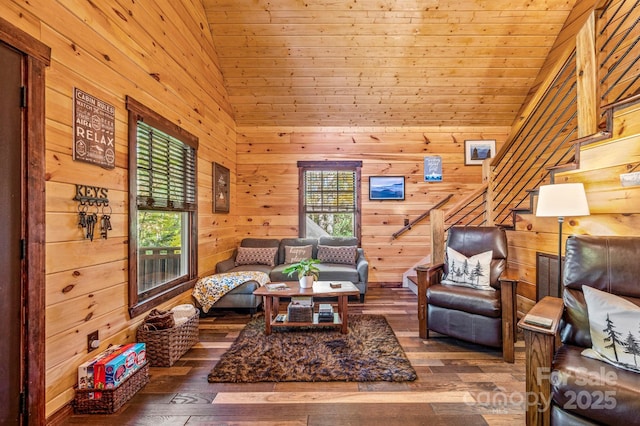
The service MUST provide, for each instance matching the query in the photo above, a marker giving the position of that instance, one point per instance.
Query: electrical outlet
(92, 341)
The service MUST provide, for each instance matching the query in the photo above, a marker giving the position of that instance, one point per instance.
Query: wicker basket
(165, 347)
(299, 313)
(88, 402)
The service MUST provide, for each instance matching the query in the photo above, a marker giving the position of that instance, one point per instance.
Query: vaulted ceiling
(381, 62)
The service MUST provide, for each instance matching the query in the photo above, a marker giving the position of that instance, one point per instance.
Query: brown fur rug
(369, 352)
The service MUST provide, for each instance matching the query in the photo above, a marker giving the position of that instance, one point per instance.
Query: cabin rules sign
(93, 130)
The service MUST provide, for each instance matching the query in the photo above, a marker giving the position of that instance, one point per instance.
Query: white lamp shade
(562, 199)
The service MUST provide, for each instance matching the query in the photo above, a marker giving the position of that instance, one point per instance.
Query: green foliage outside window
(159, 229)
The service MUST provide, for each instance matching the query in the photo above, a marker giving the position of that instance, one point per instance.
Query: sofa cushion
(337, 254)
(465, 299)
(472, 271)
(259, 268)
(613, 323)
(328, 240)
(256, 256)
(328, 272)
(338, 272)
(294, 254)
(259, 242)
(593, 389)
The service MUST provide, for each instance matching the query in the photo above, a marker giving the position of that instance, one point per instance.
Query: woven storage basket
(299, 313)
(111, 399)
(165, 347)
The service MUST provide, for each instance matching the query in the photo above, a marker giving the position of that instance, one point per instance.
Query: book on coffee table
(276, 286)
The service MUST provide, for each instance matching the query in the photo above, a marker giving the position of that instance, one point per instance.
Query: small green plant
(304, 268)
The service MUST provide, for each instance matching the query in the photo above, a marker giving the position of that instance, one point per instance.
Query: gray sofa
(357, 273)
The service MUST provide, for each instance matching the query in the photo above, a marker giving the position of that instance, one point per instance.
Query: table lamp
(560, 200)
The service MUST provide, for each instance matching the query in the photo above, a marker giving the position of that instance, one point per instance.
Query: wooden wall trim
(25, 43)
(35, 238)
(38, 57)
(587, 79)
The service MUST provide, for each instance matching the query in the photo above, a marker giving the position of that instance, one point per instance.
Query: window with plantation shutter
(166, 171)
(163, 213)
(330, 191)
(329, 198)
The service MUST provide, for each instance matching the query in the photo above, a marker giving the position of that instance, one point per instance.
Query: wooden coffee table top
(320, 288)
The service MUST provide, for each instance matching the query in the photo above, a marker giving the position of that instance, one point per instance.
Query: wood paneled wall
(267, 182)
(110, 51)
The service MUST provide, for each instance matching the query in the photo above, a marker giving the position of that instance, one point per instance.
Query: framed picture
(475, 151)
(433, 168)
(221, 185)
(386, 187)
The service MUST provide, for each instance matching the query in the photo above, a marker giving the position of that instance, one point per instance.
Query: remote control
(538, 321)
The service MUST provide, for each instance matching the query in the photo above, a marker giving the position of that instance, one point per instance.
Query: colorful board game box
(86, 369)
(118, 368)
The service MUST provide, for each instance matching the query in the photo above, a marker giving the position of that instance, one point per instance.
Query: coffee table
(320, 289)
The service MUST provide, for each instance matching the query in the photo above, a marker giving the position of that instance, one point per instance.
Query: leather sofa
(357, 273)
(564, 386)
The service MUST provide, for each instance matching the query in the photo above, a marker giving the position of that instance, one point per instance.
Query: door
(11, 232)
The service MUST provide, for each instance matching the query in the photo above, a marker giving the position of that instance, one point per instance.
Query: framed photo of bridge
(476, 151)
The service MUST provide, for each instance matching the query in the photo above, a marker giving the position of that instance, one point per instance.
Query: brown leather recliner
(479, 316)
(564, 387)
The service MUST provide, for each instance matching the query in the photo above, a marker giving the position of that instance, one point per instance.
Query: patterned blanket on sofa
(208, 290)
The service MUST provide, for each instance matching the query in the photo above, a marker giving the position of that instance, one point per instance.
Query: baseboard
(60, 416)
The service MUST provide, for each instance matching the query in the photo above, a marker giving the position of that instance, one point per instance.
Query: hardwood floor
(458, 384)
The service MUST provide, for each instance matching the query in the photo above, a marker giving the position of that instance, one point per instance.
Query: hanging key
(82, 215)
(82, 221)
(105, 225)
(91, 224)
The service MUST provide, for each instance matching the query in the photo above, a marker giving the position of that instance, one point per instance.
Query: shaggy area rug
(369, 352)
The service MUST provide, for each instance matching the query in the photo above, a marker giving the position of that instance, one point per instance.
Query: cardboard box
(100, 367)
(86, 369)
(119, 368)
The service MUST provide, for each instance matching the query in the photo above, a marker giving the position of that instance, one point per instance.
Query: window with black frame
(163, 209)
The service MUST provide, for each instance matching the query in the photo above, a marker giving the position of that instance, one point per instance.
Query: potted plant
(307, 271)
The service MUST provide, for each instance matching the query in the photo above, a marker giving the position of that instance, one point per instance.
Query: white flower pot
(306, 282)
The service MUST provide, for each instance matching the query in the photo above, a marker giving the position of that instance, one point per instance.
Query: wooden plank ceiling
(381, 62)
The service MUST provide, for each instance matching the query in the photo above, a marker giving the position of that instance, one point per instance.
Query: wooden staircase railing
(421, 217)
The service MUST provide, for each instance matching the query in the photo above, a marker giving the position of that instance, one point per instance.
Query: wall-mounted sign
(433, 168)
(93, 130)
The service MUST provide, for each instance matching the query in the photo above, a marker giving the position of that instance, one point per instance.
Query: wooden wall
(267, 182)
(125, 48)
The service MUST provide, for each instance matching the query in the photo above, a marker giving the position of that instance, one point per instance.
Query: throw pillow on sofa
(613, 323)
(294, 254)
(338, 254)
(471, 271)
(256, 256)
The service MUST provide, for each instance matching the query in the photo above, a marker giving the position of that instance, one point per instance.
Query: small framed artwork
(433, 168)
(476, 151)
(386, 187)
(221, 186)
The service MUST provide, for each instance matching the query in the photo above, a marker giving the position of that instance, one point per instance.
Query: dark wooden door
(11, 178)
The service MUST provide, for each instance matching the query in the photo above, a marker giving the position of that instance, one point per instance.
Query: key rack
(93, 196)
